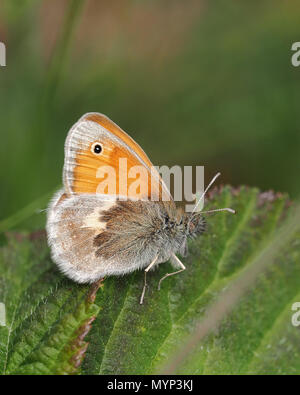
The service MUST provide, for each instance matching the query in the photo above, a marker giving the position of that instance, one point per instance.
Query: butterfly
(103, 222)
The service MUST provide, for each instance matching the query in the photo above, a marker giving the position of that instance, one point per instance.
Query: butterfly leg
(145, 280)
(172, 274)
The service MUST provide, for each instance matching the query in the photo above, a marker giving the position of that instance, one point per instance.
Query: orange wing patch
(106, 174)
(117, 131)
(122, 167)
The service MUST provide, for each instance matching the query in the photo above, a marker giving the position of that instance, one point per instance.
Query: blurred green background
(194, 82)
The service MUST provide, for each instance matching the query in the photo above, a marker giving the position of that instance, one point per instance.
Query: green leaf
(241, 280)
(47, 315)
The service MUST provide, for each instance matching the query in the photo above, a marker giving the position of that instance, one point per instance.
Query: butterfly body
(97, 229)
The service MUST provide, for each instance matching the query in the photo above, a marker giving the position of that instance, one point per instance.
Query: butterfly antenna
(230, 210)
(204, 193)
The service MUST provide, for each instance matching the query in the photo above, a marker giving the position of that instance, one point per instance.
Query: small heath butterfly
(101, 223)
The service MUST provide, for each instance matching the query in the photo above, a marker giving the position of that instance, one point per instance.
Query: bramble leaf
(53, 324)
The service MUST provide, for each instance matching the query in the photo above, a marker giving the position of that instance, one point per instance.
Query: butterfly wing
(91, 232)
(92, 235)
(113, 171)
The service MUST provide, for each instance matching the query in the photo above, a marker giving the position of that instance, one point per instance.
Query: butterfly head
(194, 225)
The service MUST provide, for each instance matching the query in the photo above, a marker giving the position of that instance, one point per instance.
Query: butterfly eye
(96, 148)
